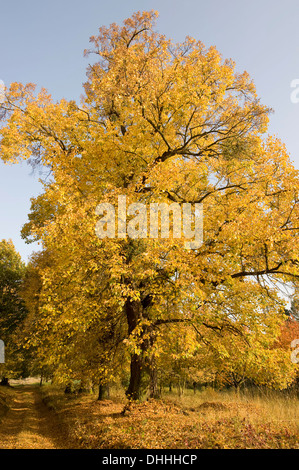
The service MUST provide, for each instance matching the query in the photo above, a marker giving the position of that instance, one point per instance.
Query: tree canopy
(158, 122)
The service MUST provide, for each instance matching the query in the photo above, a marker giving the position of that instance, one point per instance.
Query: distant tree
(12, 308)
(289, 332)
(81, 347)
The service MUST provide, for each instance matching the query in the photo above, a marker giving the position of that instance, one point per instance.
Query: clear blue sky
(43, 42)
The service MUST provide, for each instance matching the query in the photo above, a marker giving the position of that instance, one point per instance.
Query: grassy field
(206, 420)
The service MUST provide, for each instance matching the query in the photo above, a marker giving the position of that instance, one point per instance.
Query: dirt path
(30, 425)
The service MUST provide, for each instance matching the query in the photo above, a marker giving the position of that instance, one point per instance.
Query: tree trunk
(101, 392)
(154, 389)
(181, 387)
(136, 371)
(134, 315)
(68, 388)
(4, 381)
(104, 391)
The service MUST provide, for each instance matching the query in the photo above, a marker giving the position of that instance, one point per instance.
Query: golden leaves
(159, 122)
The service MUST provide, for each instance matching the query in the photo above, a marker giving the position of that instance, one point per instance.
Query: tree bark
(101, 392)
(134, 315)
(68, 388)
(4, 381)
(104, 391)
(154, 388)
(136, 371)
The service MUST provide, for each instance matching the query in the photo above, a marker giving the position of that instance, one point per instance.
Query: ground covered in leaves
(206, 420)
(45, 417)
(26, 423)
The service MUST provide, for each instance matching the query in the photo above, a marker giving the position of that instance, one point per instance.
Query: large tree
(158, 122)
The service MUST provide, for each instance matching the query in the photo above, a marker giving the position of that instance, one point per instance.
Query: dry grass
(206, 420)
(6, 397)
(264, 407)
